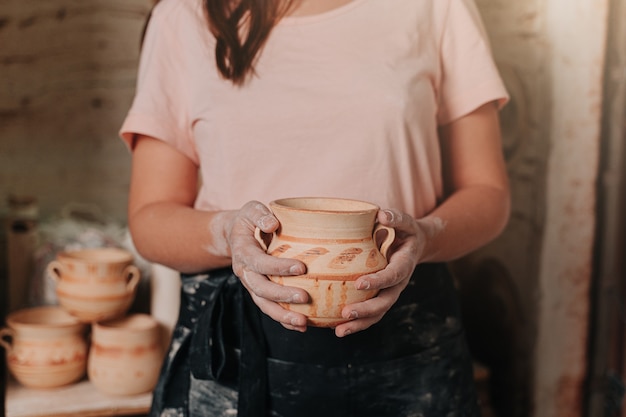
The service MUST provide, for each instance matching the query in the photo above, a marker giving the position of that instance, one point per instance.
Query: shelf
(76, 400)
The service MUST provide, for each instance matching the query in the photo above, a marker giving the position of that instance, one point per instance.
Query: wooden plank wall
(67, 77)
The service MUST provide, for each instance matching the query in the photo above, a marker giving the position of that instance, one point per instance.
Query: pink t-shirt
(344, 104)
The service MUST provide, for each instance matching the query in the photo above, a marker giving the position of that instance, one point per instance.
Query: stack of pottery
(48, 346)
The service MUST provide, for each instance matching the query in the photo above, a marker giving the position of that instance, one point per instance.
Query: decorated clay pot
(336, 240)
(95, 284)
(126, 355)
(45, 347)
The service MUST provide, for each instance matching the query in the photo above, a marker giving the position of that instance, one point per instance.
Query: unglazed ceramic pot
(336, 239)
(95, 284)
(46, 347)
(126, 355)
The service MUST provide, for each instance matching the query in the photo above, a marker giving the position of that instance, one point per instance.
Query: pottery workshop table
(77, 400)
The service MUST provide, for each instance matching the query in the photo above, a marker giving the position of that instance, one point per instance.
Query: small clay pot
(95, 284)
(126, 355)
(336, 240)
(94, 263)
(45, 347)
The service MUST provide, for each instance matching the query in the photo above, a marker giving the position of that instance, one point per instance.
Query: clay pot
(336, 239)
(126, 355)
(95, 284)
(45, 347)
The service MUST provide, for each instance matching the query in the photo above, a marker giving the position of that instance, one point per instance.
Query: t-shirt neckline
(297, 20)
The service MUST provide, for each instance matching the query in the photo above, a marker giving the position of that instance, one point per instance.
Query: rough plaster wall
(517, 34)
(578, 43)
(67, 76)
(551, 54)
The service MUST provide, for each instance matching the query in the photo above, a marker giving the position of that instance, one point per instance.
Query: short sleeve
(469, 76)
(160, 108)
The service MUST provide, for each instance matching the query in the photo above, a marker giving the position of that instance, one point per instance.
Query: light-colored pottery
(126, 355)
(336, 239)
(94, 263)
(95, 284)
(45, 347)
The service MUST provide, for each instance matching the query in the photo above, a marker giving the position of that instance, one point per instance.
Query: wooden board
(76, 400)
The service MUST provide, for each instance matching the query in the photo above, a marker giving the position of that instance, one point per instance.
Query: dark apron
(226, 358)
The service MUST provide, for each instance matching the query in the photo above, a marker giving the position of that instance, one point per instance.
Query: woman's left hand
(403, 256)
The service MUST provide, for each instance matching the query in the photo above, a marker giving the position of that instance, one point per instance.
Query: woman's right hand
(252, 264)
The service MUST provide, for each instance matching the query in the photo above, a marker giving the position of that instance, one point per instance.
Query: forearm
(470, 218)
(181, 237)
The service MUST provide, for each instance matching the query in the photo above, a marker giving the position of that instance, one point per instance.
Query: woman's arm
(166, 229)
(164, 226)
(477, 206)
(475, 211)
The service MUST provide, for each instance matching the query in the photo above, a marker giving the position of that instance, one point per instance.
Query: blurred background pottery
(337, 240)
(95, 284)
(46, 347)
(94, 263)
(126, 355)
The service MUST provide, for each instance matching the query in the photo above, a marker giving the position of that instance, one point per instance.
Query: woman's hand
(252, 265)
(403, 256)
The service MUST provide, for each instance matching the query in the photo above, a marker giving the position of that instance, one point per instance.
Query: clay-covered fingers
(400, 267)
(253, 265)
(402, 257)
(267, 294)
(247, 253)
(259, 286)
(364, 314)
(288, 319)
(409, 235)
(252, 215)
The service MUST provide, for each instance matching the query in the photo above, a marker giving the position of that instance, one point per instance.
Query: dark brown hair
(241, 28)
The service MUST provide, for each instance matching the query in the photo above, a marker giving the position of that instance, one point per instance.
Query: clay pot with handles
(95, 284)
(337, 241)
(45, 347)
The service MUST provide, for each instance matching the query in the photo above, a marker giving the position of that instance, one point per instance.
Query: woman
(242, 102)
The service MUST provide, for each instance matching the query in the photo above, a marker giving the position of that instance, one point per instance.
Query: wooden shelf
(76, 400)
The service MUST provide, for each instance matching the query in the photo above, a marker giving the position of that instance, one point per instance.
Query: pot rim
(137, 322)
(334, 205)
(109, 255)
(42, 317)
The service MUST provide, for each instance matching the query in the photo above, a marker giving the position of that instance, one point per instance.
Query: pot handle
(391, 235)
(4, 334)
(133, 274)
(55, 270)
(259, 238)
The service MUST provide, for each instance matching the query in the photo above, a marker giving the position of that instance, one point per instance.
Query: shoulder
(178, 12)
(449, 11)
(174, 23)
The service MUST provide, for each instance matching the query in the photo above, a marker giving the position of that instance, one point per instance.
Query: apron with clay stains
(226, 358)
